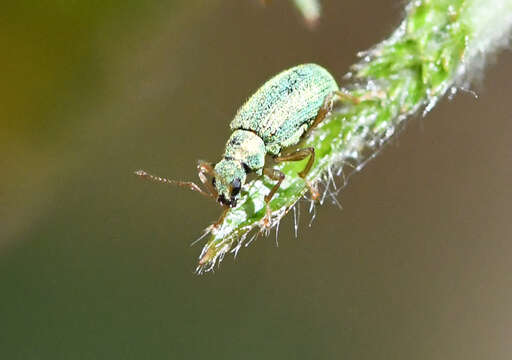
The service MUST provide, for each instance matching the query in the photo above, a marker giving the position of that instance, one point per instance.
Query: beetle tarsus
(267, 219)
(315, 195)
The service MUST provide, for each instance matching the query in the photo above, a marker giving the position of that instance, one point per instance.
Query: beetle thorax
(246, 147)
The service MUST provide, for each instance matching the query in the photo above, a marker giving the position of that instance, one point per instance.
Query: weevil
(276, 117)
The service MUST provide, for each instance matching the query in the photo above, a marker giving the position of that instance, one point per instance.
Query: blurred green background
(97, 264)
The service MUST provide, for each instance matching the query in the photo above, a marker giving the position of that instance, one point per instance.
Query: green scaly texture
(406, 73)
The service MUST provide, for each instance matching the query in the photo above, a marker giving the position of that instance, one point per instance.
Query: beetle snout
(227, 202)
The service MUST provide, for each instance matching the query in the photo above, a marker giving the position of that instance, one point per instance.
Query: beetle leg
(298, 155)
(328, 105)
(342, 96)
(322, 113)
(207, 168)
(273, 174)
(373, 95)
(221, 218)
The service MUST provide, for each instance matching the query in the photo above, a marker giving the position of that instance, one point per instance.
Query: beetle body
(274, 118)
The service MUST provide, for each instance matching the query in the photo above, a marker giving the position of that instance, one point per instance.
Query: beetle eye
(236, 185)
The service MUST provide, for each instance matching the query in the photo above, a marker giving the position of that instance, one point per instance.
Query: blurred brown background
(96, 264)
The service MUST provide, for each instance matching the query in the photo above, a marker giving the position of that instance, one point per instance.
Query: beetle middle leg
(298, 155)
(278, 175)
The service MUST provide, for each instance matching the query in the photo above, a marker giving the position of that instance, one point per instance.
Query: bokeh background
(97, 264)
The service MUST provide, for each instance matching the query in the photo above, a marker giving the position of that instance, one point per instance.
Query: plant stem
(437, 46)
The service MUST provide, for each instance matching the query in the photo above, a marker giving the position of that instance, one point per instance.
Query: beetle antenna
(187, 184)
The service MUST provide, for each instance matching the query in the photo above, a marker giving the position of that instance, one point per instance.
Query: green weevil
(278, 116)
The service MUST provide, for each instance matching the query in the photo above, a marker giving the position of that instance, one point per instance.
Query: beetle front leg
(298, 155)
(273, 174)
(207, 168)
(221, 218)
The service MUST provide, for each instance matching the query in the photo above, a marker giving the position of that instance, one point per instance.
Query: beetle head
(229, 178)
